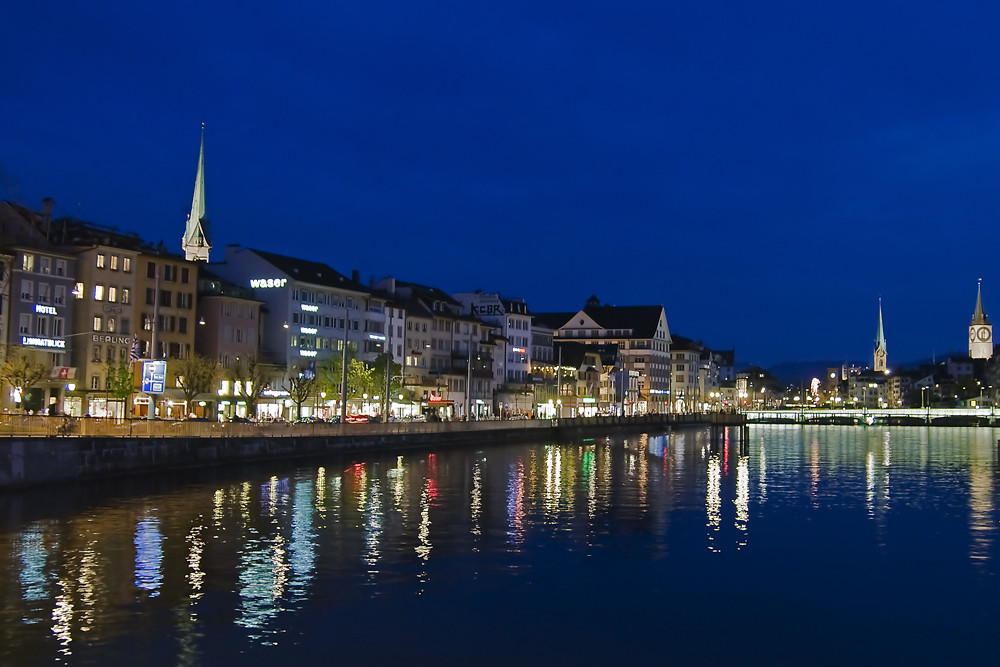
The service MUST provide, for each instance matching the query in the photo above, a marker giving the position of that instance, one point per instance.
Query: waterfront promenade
(40, 450)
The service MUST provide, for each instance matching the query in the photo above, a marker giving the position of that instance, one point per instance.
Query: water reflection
(272, 544)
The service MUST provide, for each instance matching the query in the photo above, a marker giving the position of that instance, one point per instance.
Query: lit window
(78, 290)
(97, 322)
(98, 292)
(126, 263)
(112, 293)
(114, 262)
(125, 293)
(100, 260)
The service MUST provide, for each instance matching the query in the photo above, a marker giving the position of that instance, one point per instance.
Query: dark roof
(642, 320)
(211, 284)
(552, 320)
(308, 271)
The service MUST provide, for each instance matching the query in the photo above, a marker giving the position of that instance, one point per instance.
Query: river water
(796, 545)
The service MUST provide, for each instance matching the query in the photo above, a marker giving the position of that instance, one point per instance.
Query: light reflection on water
(517, 532)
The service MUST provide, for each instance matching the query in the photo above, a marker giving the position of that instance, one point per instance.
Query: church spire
(196, 242)
(880, 351)
(980, 330)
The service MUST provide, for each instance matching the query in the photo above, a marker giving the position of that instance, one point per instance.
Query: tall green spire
(196, 242)
(880, 348)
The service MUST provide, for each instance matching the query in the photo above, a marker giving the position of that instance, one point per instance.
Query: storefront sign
(45, 310)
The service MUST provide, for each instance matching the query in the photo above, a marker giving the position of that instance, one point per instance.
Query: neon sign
(268, 282)
(311, 309)
(308, 330)
(43, 342)
(45, 310)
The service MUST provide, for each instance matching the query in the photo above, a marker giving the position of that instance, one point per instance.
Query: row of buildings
(86, 299)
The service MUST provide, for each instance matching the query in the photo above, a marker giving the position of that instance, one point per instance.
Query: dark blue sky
(766, 171)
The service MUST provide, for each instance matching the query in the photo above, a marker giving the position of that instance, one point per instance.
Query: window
(147, 322)
(45, 265)
(97, 353)
(114, 262)
(98, 292)
(185, 274)
(112, 293)
(126, 264)
(41, 325)
(24, 324)
(182, 325)
(78, 290)
(100, 260)
(165, 298)
(60, 267)
(170, 273)
(58, 327)
(150, 269)
(183, 300)
(43, 292)
(27, 290)
(126, 325)
(97, 322)
(125, 295)
(150, 296)
(111, 324)
(28, 262)
(60, 295)
(95, 381)
(111, 356)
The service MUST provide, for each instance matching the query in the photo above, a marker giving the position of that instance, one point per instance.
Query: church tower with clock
(980, 330)
(880, 366)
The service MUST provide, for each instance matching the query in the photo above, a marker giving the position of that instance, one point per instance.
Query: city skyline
(766, 174)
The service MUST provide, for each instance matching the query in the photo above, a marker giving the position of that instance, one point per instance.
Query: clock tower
(880, 366)
(980, 330)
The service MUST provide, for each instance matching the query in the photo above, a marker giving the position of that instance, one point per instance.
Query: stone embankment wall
(29, 461)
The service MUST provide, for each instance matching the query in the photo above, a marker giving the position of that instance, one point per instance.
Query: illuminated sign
(311, 309)
(376, 336)
(519, 350)
(274, 393)
(308, 330)
(307, 353)
(43, 342)
(268, 282)
(45, 310)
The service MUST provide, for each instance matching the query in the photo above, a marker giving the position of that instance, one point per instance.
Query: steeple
(980, 330)
(880, 351)
(196, 242)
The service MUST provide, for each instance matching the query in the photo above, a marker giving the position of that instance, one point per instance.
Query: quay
(45, 450)
(878, 417)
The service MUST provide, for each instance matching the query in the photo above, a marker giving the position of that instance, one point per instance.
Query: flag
(134, 353)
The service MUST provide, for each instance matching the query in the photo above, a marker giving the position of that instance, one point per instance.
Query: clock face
(972, 333)
(983, 334)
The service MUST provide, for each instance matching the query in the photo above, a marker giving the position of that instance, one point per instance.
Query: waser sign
(484, 305)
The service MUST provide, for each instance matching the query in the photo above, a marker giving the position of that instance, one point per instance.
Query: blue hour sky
(766, 171)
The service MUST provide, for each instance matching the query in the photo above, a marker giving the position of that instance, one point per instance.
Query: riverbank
(151, 446)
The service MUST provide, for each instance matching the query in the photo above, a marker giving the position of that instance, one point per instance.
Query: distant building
(196, 243)
(880, 349)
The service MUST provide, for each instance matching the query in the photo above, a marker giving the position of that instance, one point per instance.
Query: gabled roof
(552, 320)
(308, 271)
(642, 320)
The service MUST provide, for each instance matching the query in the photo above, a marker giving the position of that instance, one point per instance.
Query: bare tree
(22, 371)
(195, 375)
(300, 389)
(255, 376)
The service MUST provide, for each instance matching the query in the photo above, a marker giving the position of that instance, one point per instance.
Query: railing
(14, 425)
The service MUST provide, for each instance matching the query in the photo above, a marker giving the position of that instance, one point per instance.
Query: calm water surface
(798, 545)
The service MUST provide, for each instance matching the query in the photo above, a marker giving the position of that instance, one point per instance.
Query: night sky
(765, 170)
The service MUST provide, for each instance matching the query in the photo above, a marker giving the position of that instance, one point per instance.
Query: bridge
(878, 416)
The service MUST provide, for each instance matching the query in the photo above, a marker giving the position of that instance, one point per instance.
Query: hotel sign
(33, 341)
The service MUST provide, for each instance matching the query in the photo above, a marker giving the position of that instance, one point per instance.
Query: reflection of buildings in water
(148, 555)
(302, 545)
(742, 501)
(762, 472)
(196, 549)
(373, 513)
(643, 470)
(423, 548)
(982, 525)
(814, 462)
(476, 501)
(713, 499)
(553, 477)
(588, 469)
(515, 504)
